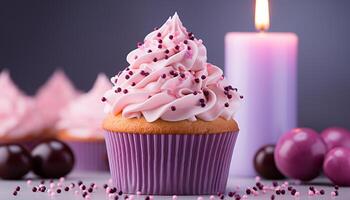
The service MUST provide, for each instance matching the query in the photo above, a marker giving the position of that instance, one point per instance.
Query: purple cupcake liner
(182, 164)
(89, 156)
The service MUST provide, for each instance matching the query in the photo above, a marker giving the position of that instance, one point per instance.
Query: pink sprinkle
(52, 185)
(49, 191)
(110, 181)
(151, 197)
(108, 189)
(212, 197)
(29, 182)
(138, 193)
(95, 186)
(200, 198)
(87, 197)
(311, 193)
(286, 183)
(52, 194)
(62, 179)
(131, 197)
(266, 188)
(174, 197)
(59, 184)
(40, 185)
(333, 194)
(297, 194)
(244, 196)
(111, 195)
(257, 178)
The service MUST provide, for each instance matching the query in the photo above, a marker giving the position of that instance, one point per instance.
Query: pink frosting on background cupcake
(83, 116)
(18, 117)
(53, 96)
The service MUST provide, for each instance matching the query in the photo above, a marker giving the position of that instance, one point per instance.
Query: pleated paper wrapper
(89, 156)
(169, 164)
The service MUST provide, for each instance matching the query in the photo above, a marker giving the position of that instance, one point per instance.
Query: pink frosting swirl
(53, 96)
(18, 117)
(168, 78)
(83, 117)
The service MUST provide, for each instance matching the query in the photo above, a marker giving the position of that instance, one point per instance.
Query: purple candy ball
(299, 154)
(336, 166)
(336, 137)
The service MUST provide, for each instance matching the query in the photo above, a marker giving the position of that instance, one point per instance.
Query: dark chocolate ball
(15, 161)
(52, 159)
(264, 163)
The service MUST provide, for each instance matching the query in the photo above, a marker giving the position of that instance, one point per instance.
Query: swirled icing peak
(82, 118)
(169, 78)
(53, 96)
(18, 118)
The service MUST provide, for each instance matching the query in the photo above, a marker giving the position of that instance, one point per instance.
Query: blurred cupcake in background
(19, 120)
(51, 98)
(80, 127)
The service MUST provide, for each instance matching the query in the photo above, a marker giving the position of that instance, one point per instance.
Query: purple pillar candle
(264, 67)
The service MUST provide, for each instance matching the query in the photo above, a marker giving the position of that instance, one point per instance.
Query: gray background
(86, 37)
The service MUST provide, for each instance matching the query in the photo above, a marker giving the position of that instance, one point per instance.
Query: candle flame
(262, 16)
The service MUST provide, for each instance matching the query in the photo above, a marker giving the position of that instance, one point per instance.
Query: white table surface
(7, 188)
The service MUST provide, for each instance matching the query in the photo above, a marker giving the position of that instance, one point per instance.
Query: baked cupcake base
(159, 163)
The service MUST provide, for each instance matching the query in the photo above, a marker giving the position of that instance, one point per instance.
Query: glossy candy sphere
(336, 166)
(52, 159)
(264, 163)
(299, 154)
(15, 161)
(336, 137)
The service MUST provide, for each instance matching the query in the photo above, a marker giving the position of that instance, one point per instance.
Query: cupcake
(80, 127)
(170, 127)
(19, 122)
(51, 98)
